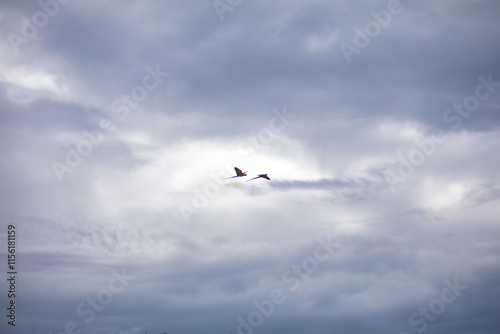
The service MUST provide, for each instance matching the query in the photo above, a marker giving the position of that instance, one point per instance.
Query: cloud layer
(121, 121)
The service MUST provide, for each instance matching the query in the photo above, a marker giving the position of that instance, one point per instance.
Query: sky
(377, 122)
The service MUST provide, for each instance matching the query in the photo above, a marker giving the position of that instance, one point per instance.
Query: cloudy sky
(378, 123)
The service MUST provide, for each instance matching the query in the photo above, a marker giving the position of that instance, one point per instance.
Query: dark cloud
(369, 214)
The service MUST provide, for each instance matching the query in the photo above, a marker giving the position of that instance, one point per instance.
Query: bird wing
(238, 171)
(266, 177)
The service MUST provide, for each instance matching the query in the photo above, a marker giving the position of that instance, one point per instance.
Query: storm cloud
(377, 122)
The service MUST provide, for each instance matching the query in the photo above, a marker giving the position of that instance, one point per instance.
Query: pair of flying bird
(239, 173)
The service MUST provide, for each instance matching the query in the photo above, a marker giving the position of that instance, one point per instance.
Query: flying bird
(239, 173)
(260, 175)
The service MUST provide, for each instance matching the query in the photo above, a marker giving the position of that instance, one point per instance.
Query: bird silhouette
(239, 173)
(264, 176)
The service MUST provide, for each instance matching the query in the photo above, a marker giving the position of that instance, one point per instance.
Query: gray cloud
(359, 163)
